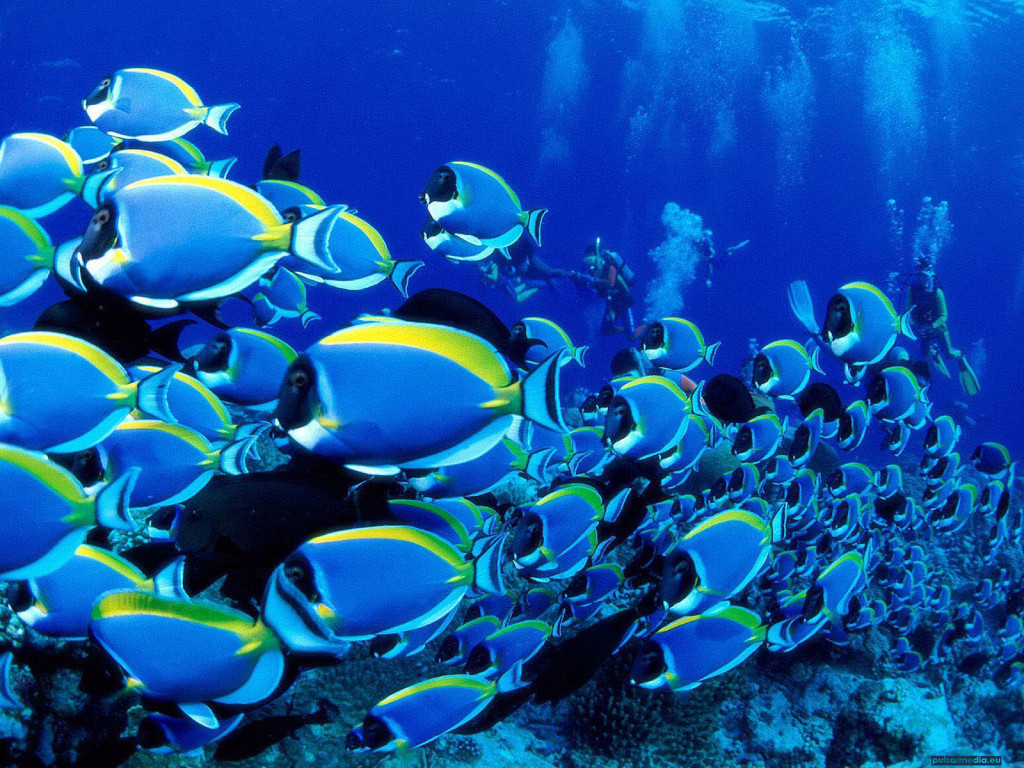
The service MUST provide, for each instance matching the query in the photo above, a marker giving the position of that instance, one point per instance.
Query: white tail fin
(152, 394)
(541, 398)
(402, 273)
(905, 326)
(216, 117)
(710, 351)
(309, 240)
(534, 219)
(113, 503)
(220, 168)
(579, 353)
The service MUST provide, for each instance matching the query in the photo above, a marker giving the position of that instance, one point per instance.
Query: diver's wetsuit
(930, 315)
(523, 272)
(610, 284)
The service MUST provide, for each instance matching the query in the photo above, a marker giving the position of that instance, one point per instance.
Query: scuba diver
(610, 277)
(521, 272)
(929, 322)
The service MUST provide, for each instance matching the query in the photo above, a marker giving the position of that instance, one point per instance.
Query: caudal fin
(152, 394)
(541, 397)
(905, 324)
(710, 351)
(113, 503)
(216, 117)
(579, 353)
(220, 168)
(402, 273)
(309, 240)
(534, 219)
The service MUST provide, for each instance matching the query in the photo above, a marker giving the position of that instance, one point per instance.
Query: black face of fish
(375, 735)
(517, 333)
(845, 426)
(150, 735)
(101, 233)
(529, 535)
(836, 480)
(679, 578)
(649, 665)
(479, 660)
(589, 405)
(215, 356)
(940, 468)
(605, 395)
(736, 482)
(441, 187)
(823, 396)
(20, 597)
(728, 400)
(291, 215)
(99, 94)
(838, 319)
(576, 587)
(793, 494)
(448, 649)
(719, 488)
(877, 391)
(744, 440)
(295, 402)
(618, 421)
(931, 438)
(299, 572)
(883, 476)
(431, 229)
(655, 337)
(1003, 506)
(762, 370)
(814, 602)
(382, 644)
(801, 442)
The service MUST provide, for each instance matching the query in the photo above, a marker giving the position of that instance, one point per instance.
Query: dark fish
(253, 525)
(442, 306)
(568, 666)
(823, 396)
(282, 167)
(728, 399)
(124, 333)
(257, 736)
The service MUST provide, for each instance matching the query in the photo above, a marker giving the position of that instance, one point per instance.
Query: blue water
(792, 132)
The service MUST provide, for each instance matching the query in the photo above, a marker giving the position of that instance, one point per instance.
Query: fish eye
(102, 217)
(298, 571)
(105, 82)
(528, 536)
(291, 215)
(299, 379)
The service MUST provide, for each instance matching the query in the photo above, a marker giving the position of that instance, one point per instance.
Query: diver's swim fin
(968, 378)
(940, 365)
(802, 306)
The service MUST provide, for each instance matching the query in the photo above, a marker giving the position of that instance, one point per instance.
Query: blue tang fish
(45, 513)
(942, 436)
(92, 144)
(243, 365)
(861, 325)
(59, 604)
(502, 654)
(894, 393)
(853, 425)
(133, 247)
(363, 421)
(556, 523)
(150, 105)
(456, 647)
(552, 339)
(161, 734)
(452, 247)
(370, 581)
(35, 411)
(40, 174)
(992, 459)
(759, 438)
(690, 650)
(355, 255)
(189, 652)
(783, 368)
(476, 204)
(674, 343)
(282, 295)
(173, 462)
(26, 256)
(135, 165)
(717, 559)
(649, 416)
(417, 715)
(191, 157)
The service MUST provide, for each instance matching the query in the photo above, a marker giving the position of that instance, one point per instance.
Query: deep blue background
(378, 94)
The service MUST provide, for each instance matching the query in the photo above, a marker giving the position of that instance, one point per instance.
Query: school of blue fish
(382, 528)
